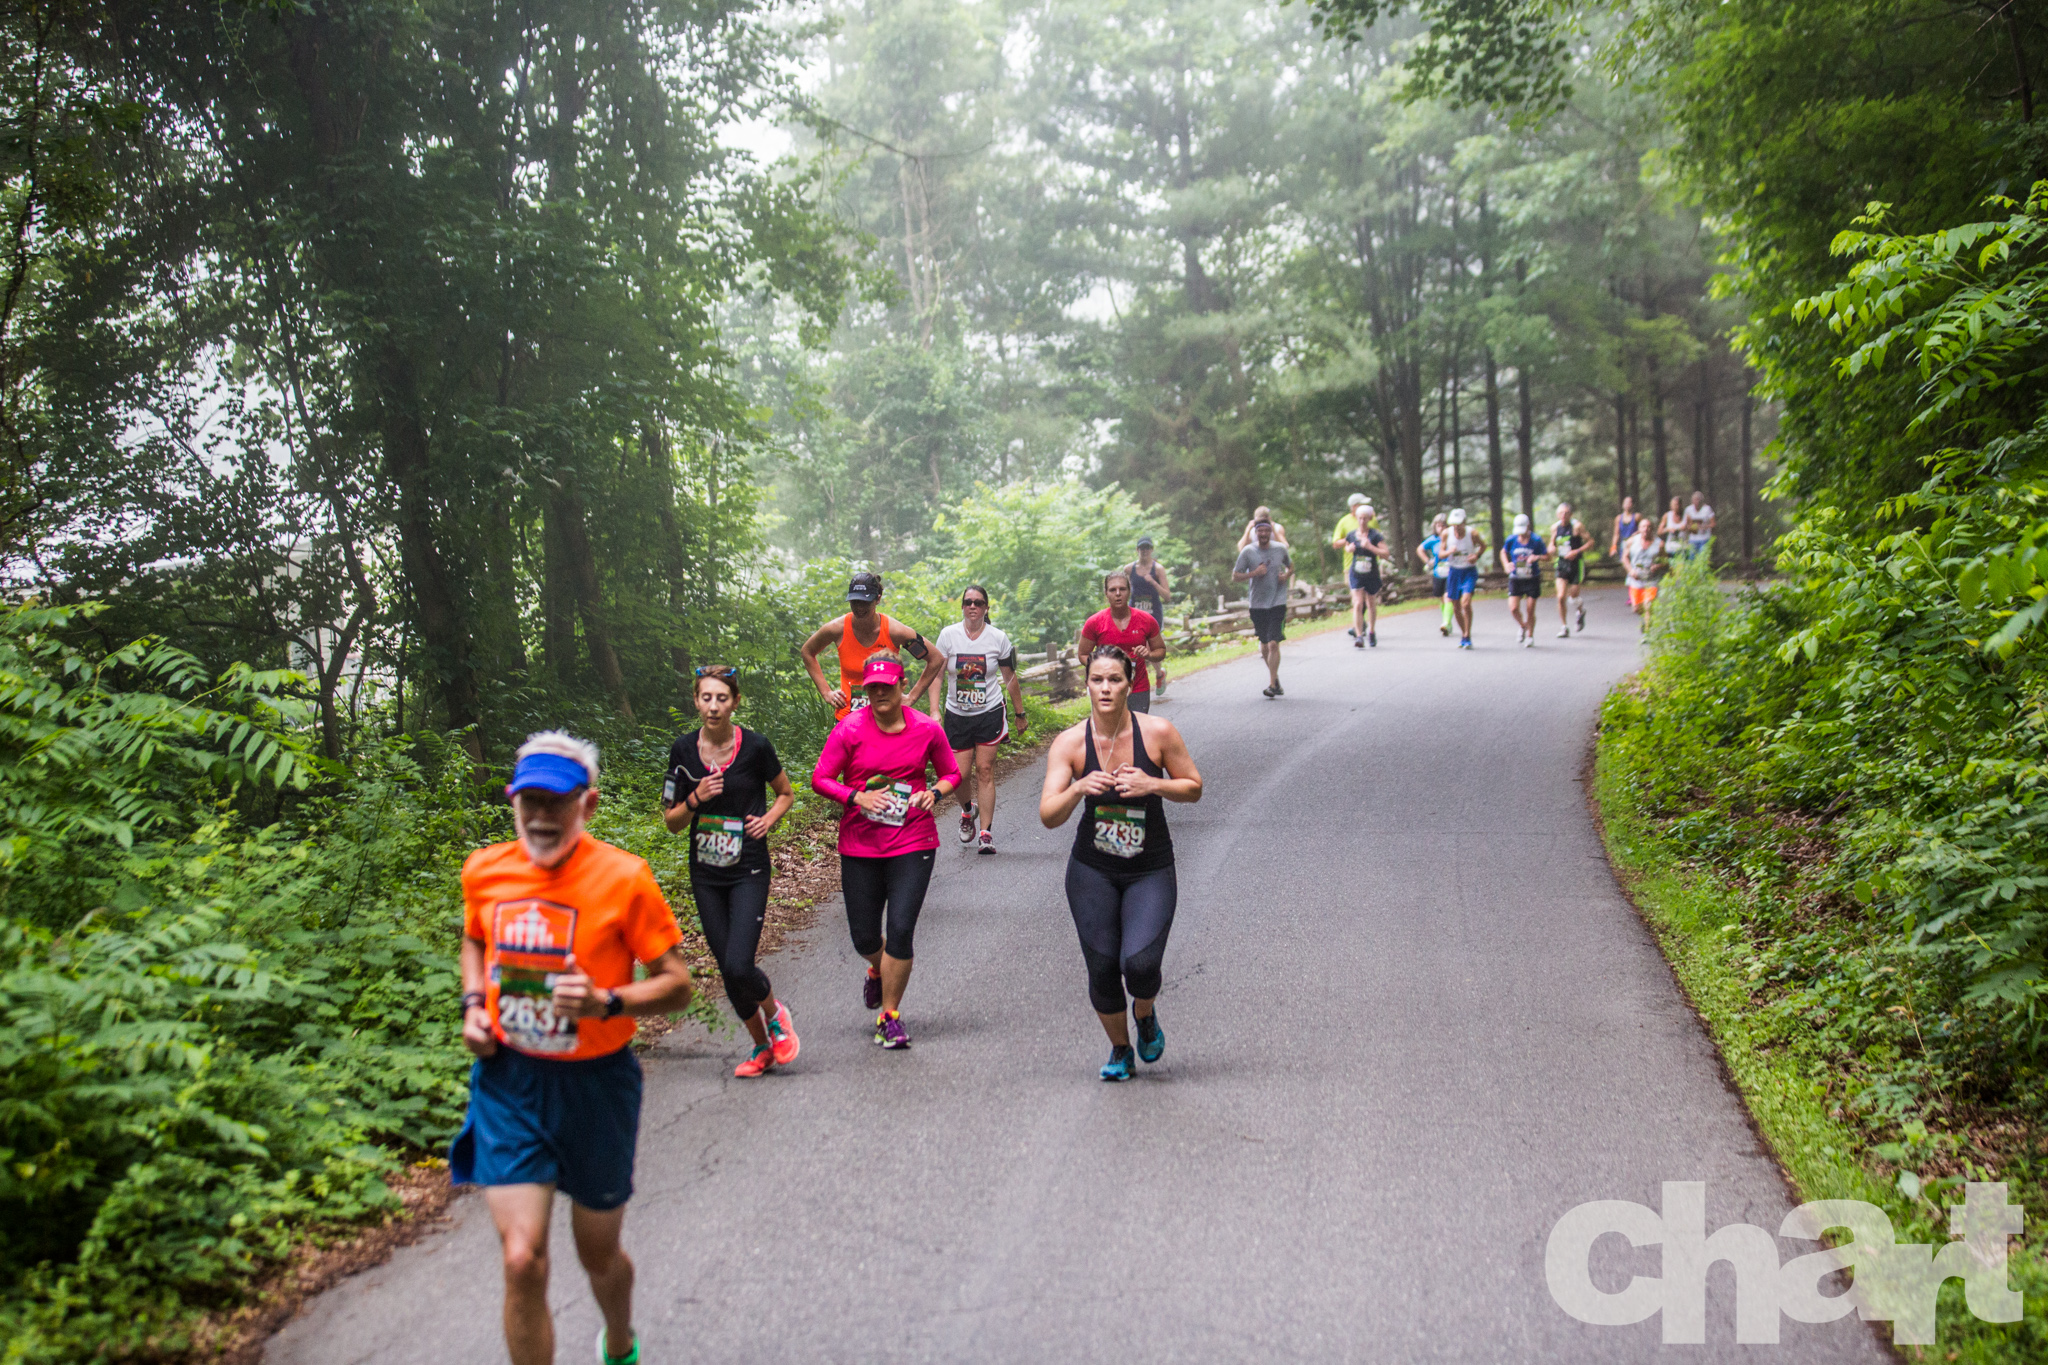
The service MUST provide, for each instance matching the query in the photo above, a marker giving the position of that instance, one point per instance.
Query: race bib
(1120, 830)
(1523, 564)
(719, 838)
(857, 701)
(533, 938)
(971, 680)
(898, 809)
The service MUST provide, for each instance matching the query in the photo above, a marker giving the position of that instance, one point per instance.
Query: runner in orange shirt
(552, 925)
(864, 630)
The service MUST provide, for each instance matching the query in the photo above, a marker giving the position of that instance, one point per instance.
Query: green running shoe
(604, 1357)
(1151, 1038)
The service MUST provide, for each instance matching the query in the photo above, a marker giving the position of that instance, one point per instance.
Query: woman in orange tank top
(844, 633)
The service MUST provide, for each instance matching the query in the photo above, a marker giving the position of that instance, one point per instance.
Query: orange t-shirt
(602, 904)
(853, 662)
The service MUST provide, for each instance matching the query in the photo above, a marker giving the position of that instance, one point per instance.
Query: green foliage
(215, 1034)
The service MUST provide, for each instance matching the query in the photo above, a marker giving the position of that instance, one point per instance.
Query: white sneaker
(1528, 642)
(1564, 632)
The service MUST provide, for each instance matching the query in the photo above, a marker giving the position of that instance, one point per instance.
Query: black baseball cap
(865, 587)
(1144, 542)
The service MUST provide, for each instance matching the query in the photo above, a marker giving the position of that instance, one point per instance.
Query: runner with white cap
(1430, 552)
(1461, 548)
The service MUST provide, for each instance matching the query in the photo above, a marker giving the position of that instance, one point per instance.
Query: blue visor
(548, 773)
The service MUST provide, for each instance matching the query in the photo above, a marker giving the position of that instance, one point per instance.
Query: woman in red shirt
(1135, 632)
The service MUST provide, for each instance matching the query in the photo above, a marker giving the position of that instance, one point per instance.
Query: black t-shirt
(1366, 548)
(720, 849)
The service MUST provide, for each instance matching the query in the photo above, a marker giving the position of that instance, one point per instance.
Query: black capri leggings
(1123, 919)
(896, 884)
(732, 915)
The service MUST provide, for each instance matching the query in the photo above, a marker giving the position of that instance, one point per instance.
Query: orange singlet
(852, 665)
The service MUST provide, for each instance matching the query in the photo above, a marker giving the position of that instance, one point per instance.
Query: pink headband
(882, 671)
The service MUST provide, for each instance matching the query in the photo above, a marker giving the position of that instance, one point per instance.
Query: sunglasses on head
(718, 671)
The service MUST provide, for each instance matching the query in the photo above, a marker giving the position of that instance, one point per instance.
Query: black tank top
(1111, 825)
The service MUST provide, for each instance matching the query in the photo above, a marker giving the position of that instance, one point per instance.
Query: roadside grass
(1785, 1076)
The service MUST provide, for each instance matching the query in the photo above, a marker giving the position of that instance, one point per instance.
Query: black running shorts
(971, 732)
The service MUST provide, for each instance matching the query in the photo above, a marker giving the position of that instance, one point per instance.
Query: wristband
(614, 1005)
(472, 1000)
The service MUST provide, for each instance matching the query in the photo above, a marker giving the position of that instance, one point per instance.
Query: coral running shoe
(871, 990)
(782, 1035)
(760, 1064)
(889, 1031)
(1118, 1067)
(967, 819)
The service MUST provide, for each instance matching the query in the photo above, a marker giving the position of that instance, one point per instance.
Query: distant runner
(1699, 524)
(1258, 513)
(1522, 560)
(552, 924)
(979, 665)
(1365, 544)
(1120, 768)
(1671, 529)
(716, 796)
(1150, 592)
(1640, 558)
(859, 633)
(1461, 549)
(1625, 523)
(1569, 542)
(1430, 552)
(1135, 632)
(874, 767)
(1267, 566)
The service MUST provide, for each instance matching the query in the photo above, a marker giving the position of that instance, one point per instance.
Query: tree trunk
(444, 624)
(675, 563)
(557, 600)
(1660, 453)
(1457, 466)
(1748, 477)
(1410, 393)
(1525, 439)
(1496, 477)
(567, 507)
(1620, 451)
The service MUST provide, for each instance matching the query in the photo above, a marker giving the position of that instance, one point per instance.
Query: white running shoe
(1564, 632)
(967, 820)
(1528, 642)
(988, 841)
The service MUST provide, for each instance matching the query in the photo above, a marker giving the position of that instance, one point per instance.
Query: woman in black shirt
(716, 793)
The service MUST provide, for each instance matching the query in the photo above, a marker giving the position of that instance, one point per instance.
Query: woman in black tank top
(1120, 768)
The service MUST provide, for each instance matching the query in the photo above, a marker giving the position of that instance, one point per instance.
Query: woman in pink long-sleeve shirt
(874, 766)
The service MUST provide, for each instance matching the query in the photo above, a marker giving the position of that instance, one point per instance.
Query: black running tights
(880, 890)
(1123, 920)
(731, 915)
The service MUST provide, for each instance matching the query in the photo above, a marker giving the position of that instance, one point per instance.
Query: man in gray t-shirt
(1266, 566)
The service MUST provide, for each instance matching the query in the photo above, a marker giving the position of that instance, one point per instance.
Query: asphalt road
(1411, 1022)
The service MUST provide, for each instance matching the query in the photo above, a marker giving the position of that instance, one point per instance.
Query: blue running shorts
(1462, 582)
(537, 1121)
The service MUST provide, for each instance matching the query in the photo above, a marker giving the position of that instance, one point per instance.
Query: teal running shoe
(1151, 1038)
(1118, 1067)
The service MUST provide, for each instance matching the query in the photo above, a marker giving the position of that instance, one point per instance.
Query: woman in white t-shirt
(979, 665)
(1671, 528)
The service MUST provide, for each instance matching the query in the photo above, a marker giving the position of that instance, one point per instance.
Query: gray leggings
(1123, 919)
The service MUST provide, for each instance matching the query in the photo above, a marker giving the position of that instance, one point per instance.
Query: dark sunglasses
(981, 602)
